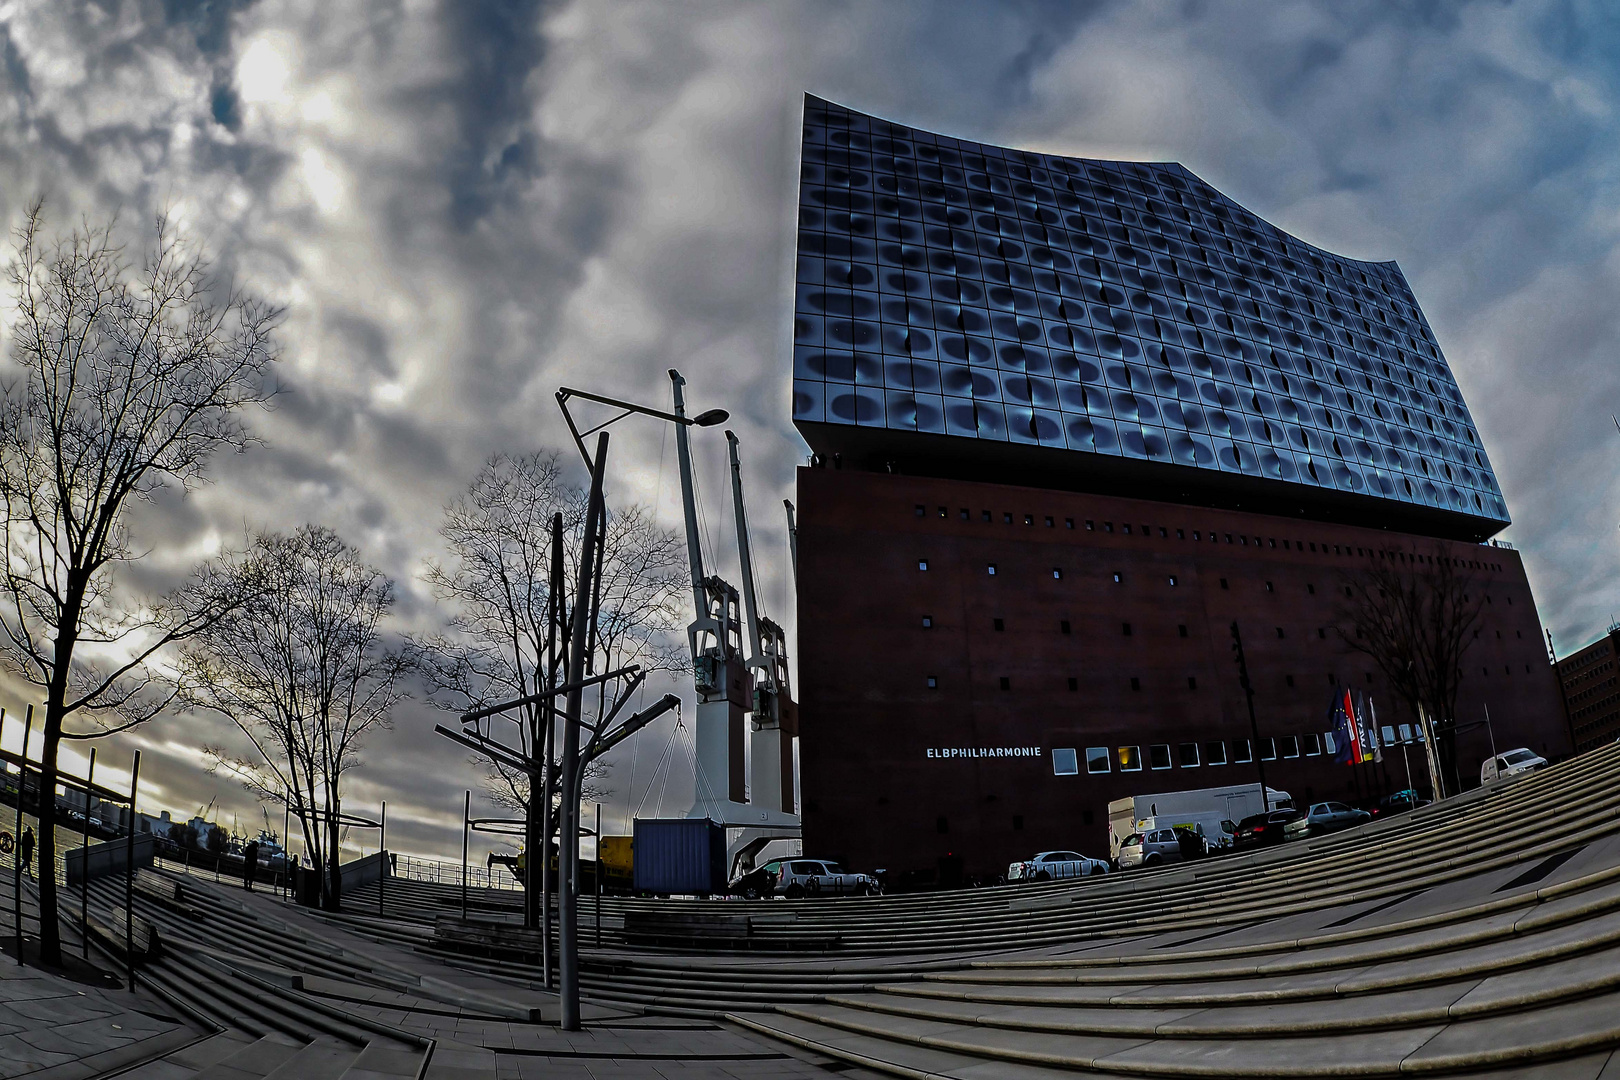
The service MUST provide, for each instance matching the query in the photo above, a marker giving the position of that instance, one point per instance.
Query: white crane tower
(739, 670)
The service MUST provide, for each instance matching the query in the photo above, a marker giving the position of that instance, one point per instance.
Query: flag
(1343, 741)
(1358, 742)
(1377, 740)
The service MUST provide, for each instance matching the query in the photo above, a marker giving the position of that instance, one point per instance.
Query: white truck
(1214, 811)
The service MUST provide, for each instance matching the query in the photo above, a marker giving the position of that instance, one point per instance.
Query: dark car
(755, 884)
(1398, 803)
(1262, 830)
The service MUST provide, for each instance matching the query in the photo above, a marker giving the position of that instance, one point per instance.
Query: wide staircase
(1476, 936)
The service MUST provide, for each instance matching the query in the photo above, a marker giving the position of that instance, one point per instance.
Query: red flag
(1358, 750)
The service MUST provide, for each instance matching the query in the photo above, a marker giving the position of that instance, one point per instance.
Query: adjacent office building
(1070, 419)
(1592, 691)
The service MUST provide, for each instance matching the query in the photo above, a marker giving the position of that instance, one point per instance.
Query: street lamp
(712, 418)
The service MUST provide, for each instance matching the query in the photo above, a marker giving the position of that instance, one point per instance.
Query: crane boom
(756, 653)
(694, 553)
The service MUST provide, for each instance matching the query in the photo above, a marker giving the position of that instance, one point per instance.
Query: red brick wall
(874, 797)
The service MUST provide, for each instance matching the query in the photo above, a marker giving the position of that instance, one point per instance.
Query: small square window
(1224, 585)
(991, 568)
(1328, 746)
(1159, 755)
(1050, 523)
(933, 683)
(928, 622)
(1029, 519)
(1136, 683)
(1063, 626)
(1268, 748)
(1127, 528)
(1118, 577)
(1057, 573)
(1273, 541)
(1108, 526)
(1279, 633)
(1289, 745)
(965, 515)
(922, 511)
(1125, 629)
(1289, 679)
(1181, 534)
(1130, 759)
(1406, 732)
(1192, 682)
(1242, 752)
(1182, 629)
(1097, 759)
(1310, 589)
(998, 624)
(1065, 762)
(1006, 683)
(1321, 632)
(1090, 526)
(1074, 684)
(1018, 823)
(1313, 744)
(922, 564)
(1172, 580)
(1389, 735)
(985, 516)
(1068, 523)
(1163, 535)
(944, 513)
(1228, 538)
(1006, 518)
(1332, 681)
(1197, 535)
(1270, 587)
(1189, 755)
(1215, 753)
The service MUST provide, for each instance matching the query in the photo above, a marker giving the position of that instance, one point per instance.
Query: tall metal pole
(1254, 726)
(382, 854)
(554, 630)
(129, 871)
(598, 875)
(466, 813)
(286, 847)
(16, 858)
(84, 861)
(1489, 730)
(568, 940)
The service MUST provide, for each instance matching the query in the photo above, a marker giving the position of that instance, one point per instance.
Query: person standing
(250, 863)
(26, 851)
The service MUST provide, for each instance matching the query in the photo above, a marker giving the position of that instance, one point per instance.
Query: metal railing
(440, 872)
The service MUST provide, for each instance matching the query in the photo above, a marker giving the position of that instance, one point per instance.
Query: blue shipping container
(680, 855)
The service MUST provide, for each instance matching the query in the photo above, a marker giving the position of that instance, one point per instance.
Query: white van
(1511, 763)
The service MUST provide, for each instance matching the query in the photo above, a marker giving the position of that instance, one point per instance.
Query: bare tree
(304, 670)
(499, 538)
(133, 378)
(1414, 614)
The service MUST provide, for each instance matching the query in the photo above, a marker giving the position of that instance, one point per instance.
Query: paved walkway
(54, 1029)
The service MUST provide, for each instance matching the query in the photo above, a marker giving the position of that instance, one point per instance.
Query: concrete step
(323, 1059)
(257, 1059)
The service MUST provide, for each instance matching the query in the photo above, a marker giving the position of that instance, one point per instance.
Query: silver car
(1324, 817)
(1160, 846)
(820, 877)
(1055, 864)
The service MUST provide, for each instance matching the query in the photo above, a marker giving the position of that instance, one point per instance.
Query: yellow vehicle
(618, 865)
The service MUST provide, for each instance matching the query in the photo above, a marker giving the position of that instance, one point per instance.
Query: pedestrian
(250, 863)
(26, 853)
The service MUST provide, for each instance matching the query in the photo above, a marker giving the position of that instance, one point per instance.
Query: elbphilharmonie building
(1070, 418)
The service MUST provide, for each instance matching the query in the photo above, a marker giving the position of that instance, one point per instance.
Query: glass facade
(1115, 308)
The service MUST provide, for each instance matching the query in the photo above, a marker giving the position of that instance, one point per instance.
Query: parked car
(1055, 864)
(1263, 830)
(819, 877)
(1325, 817)
(1158, 846)
(758, 882)
(1511, 763)
(1398, 803)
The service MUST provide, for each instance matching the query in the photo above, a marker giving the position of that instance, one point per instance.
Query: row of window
(1005, 681)
(1241, 539)
(1192, 755)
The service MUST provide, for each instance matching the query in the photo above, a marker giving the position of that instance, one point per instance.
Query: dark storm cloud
(464, 206)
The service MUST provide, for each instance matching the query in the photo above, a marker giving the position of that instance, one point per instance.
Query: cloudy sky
(465, 204)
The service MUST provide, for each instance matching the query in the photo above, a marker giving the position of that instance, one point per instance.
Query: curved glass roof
(1115, 308)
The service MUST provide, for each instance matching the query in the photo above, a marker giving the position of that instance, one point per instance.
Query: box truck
(1215, 809)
